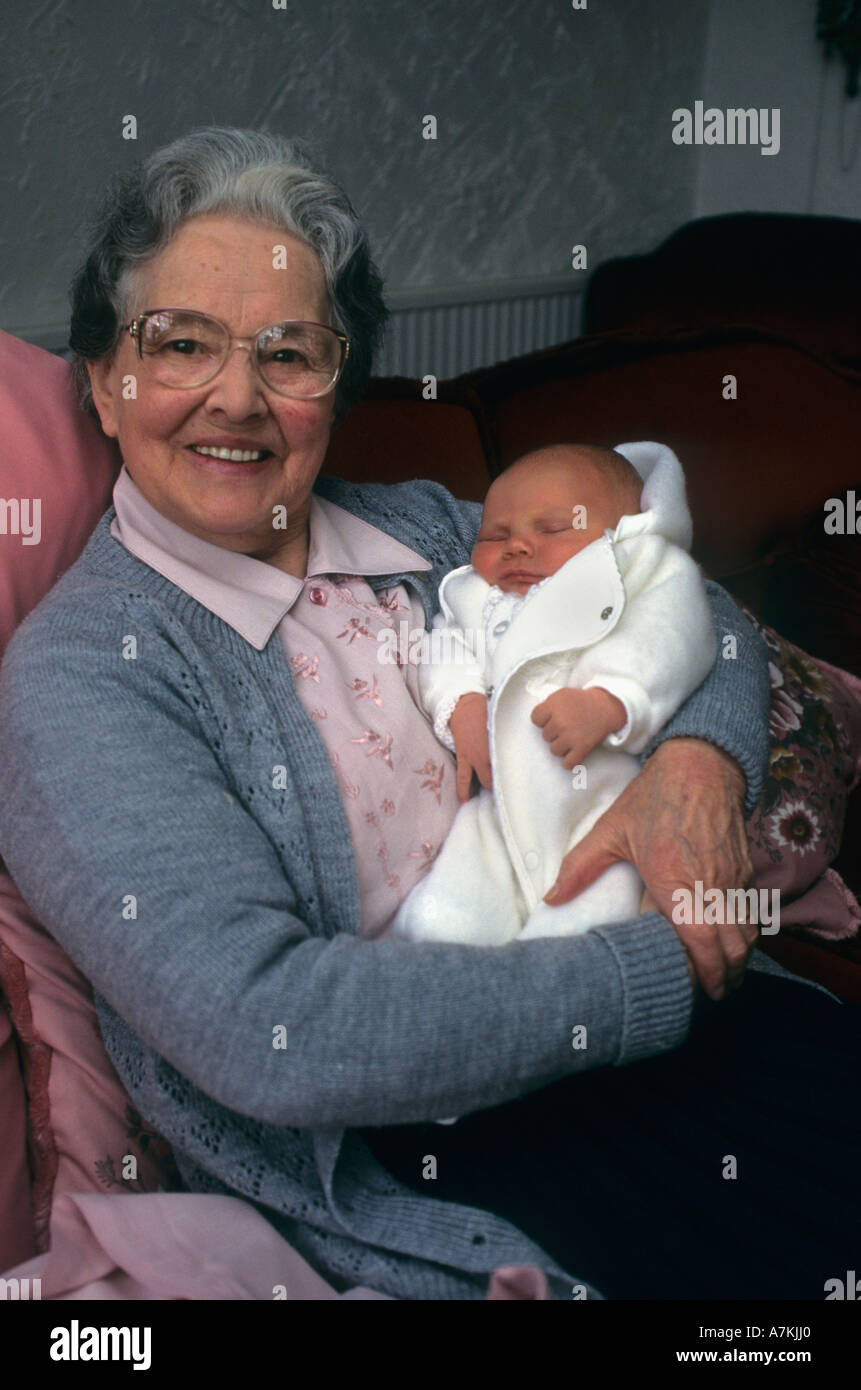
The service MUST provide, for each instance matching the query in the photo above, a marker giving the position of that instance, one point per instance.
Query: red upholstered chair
(759, 469)
(793, 275)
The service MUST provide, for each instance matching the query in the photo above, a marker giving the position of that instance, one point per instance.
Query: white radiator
(446, 332)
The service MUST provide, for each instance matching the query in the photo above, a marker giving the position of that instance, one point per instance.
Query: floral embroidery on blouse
(356, 627)
(306, 666)
(346, 595)
(425, 852)
(382, 853)
(384, 606)
(393, 881)
(387, 807)
(433, 774)
(389, 602)
(362, 691)
(380, 747)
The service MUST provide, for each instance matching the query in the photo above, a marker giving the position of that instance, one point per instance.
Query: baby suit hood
(663, 504)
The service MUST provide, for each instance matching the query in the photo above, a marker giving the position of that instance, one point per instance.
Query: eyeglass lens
(188, 350)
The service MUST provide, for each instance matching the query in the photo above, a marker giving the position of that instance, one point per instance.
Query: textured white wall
(553, 123)
(766, 55)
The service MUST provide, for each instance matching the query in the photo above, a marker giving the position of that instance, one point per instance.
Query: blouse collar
(249, 594)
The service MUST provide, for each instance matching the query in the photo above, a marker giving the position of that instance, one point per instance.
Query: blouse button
(318, 596)
(501, 627)
(605, 612)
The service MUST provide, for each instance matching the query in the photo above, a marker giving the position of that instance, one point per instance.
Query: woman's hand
(468, 725)
(648, 904)
(680, 820)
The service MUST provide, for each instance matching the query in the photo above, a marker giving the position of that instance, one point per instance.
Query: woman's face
(223, 266)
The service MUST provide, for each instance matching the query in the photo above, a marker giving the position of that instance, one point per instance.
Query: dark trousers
(619, 1173)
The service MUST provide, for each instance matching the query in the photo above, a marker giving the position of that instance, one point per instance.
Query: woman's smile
(231, 457)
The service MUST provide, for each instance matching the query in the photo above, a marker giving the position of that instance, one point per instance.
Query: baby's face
(530, 527)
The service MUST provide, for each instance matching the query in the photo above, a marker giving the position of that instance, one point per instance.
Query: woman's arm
(682, 819)
(730, 709)
(133, 849)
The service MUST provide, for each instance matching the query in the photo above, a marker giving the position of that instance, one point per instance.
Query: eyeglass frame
(134, 331)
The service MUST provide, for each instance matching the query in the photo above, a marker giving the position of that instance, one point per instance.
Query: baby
(578, 630)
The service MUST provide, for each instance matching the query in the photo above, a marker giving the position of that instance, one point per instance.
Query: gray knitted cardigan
(149, 781)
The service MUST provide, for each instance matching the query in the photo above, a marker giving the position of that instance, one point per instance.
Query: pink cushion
(51, 453)
(78, 1121)
(82, 1128)
(814, 763)
(16, 1218)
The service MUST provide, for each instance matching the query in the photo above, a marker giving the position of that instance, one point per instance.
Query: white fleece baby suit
(628, 613)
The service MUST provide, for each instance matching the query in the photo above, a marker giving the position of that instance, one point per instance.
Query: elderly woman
(216, 797)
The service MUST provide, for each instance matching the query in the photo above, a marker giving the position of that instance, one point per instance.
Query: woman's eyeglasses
(185, 349)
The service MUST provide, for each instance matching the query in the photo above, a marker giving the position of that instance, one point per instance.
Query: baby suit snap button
(605, 612)
(501, 627)
(530, 859)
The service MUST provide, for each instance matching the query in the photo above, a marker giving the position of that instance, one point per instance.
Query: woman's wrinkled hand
(680, 820)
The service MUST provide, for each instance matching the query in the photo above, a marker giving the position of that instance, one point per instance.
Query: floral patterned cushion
(814, 763)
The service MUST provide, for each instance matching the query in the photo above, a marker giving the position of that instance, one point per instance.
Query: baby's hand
(468, 725)
(575, 722)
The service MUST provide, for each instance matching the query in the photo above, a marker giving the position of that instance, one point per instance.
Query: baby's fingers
(464, 777)
(485, 776)
(541, 713)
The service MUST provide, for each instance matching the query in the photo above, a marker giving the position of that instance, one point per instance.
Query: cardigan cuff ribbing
(657, 994)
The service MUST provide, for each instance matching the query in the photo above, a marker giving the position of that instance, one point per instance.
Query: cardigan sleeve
(121, 830)
(730, 708)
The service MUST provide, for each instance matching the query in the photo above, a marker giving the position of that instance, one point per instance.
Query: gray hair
(245, 173)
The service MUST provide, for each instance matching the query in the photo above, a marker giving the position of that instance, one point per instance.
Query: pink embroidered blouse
(396, 780)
